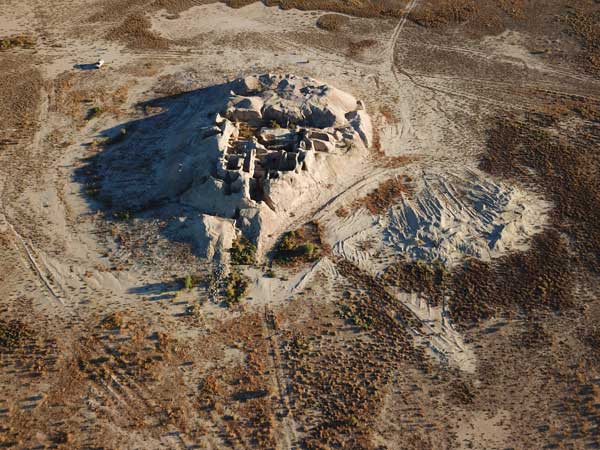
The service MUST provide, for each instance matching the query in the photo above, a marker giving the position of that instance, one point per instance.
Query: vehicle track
(23, 246)
(285, 412)
(396, 36)
(491, 57)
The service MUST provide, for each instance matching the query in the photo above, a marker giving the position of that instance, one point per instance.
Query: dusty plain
(440, 294)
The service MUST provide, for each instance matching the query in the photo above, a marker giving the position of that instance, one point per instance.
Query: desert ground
(433, 285)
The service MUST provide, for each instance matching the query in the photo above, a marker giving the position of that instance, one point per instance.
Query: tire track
(23, 247)
(285, 411)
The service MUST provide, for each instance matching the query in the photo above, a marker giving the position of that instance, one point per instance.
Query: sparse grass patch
(461, 392)
(188, 283)
(114, 321)
(534, 335)
(92, 187)
(195, 311)
(124, 216)
(117, 138)
(20, 94)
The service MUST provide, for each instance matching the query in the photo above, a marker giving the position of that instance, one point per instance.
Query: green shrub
(308, 249)
(235, 288)
(195, 311)
(188, 282)
(95, 111)
(243, 252)
(123, 215)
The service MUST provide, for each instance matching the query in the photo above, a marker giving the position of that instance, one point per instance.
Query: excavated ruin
(246, 157)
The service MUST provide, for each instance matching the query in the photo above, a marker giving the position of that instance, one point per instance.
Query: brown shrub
(388, 114)
(135, 32)
(429, 279)
(566, 171)
(14, 333)
(385, 195)
(585, 27)
(534, 335)
(342, 212)
(22, 41)
(357, 47)
(76, 97)
(332, 22)
(20, 95)
(540, 278)
(444, 12)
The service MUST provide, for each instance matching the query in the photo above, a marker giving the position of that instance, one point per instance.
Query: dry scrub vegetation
(81, 98)
(18, 41)
(355, 48)
(545, 276)
(19, 93)
(565, 168)
(135, 32)
(385, 195)
(345, 372)
(360, 8)
(483, 16)
(539, 19)
(585, 26)
(444, 12)
(332, 22)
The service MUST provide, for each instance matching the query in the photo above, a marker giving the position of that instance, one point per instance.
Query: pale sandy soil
(175, 367)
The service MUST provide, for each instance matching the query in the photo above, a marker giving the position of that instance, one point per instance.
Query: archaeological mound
(243, 157)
